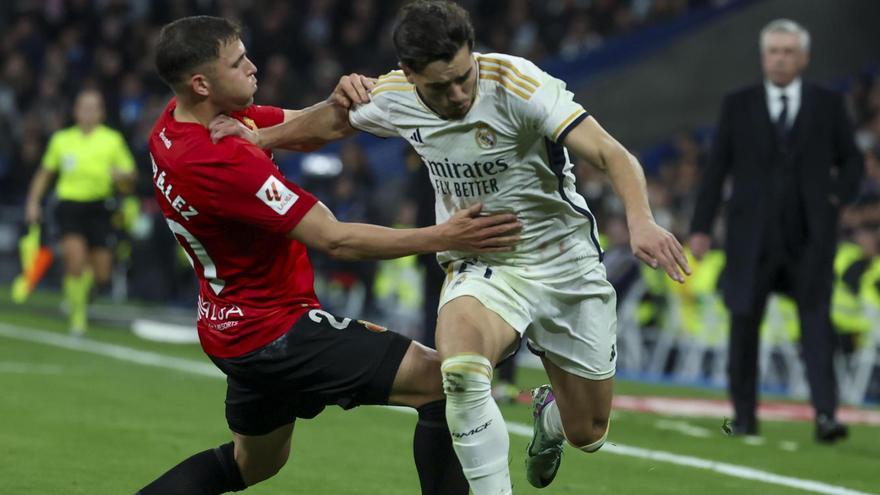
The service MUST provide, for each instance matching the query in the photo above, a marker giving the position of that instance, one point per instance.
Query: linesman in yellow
(91, 162)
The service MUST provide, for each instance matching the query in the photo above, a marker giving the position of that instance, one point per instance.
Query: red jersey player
(246, 229)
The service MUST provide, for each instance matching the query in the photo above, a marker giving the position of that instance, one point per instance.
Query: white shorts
(572, 320)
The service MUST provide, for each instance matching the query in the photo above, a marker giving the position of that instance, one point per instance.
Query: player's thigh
(575, 325)
(99, 230)
(417, 381)
(481, 310)
(261, 456)
(575, 333)
(74, 252)
(465, 325)
(584, 404)
(321, 360)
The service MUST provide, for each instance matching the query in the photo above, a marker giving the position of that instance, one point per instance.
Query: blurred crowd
(51, 49)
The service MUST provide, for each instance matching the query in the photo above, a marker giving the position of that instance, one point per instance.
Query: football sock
(552, 421)
(76, 291)
(439, 470)
(88, 282)
(210, 472)
(479, 434)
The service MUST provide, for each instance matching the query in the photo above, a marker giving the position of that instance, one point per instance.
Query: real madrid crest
(485, 137)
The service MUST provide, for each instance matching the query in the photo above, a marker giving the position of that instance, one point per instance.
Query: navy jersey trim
(571, 126)
(556, 155)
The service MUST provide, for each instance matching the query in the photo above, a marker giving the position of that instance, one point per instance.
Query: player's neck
(201, 113)
(87, 129)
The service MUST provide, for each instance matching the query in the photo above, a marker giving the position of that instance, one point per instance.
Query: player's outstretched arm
(651, 243)
(310, 129)
(465, 231)
(306, 129)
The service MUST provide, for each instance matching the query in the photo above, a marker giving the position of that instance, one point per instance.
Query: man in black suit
(788, 148)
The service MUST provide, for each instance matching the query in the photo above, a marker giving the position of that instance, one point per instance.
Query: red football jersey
(230, 208)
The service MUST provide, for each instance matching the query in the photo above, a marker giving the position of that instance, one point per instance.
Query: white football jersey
(506, 152)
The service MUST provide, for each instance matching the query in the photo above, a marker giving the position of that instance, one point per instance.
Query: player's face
(783, 58)
(448, 87)
(88, 110)
(233, 78)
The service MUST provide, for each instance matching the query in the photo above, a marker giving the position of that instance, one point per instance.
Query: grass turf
(80, 423)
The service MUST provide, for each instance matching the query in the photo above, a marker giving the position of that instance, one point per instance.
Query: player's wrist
(438, 238)
(634, 219)
(259, 139)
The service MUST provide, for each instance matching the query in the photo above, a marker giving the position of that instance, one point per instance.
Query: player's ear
(407, 71)
(199, 85)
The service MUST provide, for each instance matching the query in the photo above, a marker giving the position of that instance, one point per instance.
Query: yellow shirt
(85, 162)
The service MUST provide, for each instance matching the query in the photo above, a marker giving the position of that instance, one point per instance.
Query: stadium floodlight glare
(321, 165)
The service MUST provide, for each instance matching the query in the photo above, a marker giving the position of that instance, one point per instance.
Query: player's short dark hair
(190, 42)
(431, 30)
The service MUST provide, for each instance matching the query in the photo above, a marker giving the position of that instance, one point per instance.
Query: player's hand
(33, 212)
(224, 125)
(353, 89)
(700, 244)
(469, 231)
(658, 248)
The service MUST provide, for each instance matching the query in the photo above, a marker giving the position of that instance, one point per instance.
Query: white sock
(552, 421)
(479, 434)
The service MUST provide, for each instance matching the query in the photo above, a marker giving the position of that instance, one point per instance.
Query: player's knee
(588, 435)
(467, 379)
(429, 370)
(418, 378)
(102, 278)
(255, 469)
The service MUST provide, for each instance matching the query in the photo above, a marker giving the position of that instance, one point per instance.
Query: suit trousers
(817, 344)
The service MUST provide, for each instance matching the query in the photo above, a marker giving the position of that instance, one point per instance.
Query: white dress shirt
(774, 100)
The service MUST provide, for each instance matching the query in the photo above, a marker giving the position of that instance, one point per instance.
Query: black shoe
(744, 427)
(829, 430)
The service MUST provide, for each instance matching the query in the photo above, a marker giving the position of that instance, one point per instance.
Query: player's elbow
(337, 251)
(337, 245)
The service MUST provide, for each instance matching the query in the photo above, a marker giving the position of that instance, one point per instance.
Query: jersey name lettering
(178, 203)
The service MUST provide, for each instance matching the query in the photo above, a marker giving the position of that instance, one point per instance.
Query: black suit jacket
(828, 168)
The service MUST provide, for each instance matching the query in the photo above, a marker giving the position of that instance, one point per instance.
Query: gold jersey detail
(508, 65)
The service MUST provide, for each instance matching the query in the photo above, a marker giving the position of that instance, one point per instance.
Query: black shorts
(89, 219)
(313, 365)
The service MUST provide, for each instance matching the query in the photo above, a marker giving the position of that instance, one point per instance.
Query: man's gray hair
(786, 26)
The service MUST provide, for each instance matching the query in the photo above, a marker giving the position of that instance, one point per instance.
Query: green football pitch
(107, 413)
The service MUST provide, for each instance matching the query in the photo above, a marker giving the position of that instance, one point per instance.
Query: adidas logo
(416, 137)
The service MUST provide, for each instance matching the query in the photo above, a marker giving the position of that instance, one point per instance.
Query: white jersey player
(494, 129)
(504, 152)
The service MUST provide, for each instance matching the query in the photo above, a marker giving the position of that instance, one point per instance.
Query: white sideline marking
(753, 440)
(683, 427)
(788, 446)
(114, 351)
(123, 353)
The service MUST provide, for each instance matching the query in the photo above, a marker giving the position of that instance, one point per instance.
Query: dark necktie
(782, 121)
